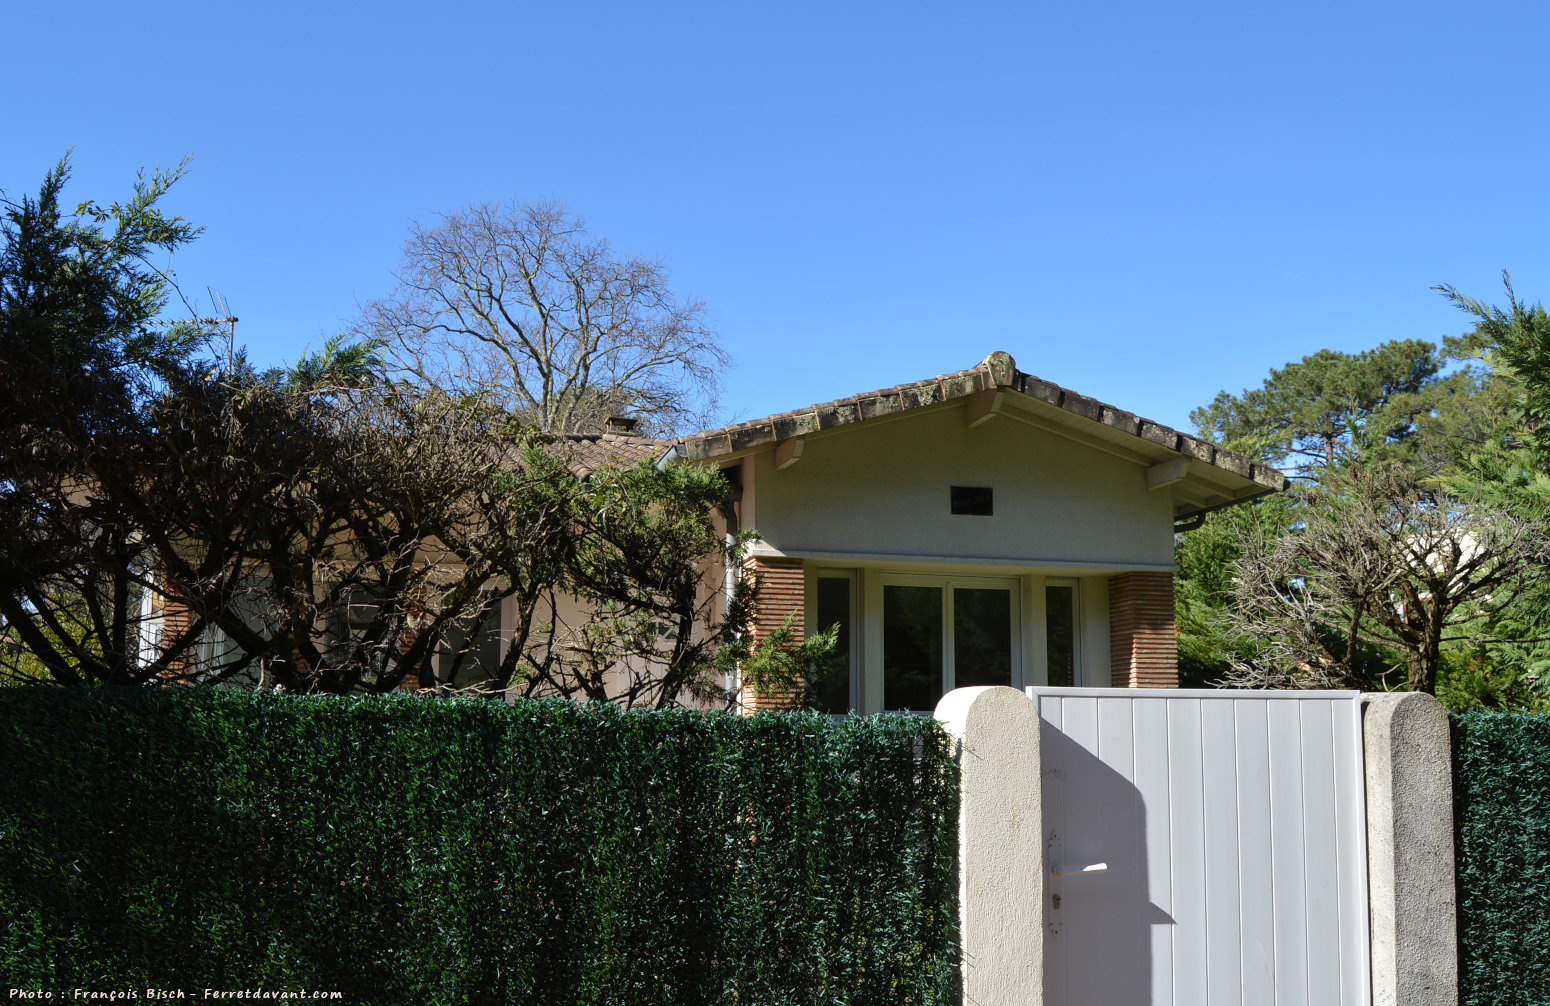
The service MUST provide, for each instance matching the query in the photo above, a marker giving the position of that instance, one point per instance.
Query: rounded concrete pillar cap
(961, 705)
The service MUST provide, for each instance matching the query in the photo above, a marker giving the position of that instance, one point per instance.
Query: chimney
(622, 424)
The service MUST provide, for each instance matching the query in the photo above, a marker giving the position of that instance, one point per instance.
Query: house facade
(975, 528)
(978, 527)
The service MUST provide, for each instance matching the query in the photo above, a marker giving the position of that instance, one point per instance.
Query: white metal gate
(1205, 847)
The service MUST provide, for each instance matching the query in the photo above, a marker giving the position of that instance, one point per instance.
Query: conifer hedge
(1501, 768)
(417, 851)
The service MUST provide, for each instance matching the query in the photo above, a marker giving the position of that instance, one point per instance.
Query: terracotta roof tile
(588, 452)
(585, 453)
(996, 370)
(825, 415)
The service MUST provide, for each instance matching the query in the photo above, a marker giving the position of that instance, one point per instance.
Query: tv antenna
(222, 316)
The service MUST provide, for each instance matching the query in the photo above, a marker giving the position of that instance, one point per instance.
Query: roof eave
(998, 371)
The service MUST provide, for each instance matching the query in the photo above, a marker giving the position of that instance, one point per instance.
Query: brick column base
(782, 588)
(175, 620)
(1143, 639)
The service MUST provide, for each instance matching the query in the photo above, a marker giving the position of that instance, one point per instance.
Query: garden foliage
(401, 850)
(1501, 797)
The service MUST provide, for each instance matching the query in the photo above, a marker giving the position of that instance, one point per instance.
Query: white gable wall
(880, 490)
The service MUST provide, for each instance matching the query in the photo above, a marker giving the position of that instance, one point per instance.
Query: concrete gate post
(1410, 866)
(1000, 844)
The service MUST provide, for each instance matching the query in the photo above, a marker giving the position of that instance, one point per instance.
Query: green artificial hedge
(416, 851)
(1501, 767)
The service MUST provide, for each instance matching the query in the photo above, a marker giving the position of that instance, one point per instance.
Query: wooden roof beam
(789, 451)
(982, 405)
(1166, 473)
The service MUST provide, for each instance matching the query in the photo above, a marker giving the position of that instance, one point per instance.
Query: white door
(1205, 847)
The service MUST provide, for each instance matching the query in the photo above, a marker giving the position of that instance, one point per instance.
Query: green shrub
(405, 850)
(1501, 766)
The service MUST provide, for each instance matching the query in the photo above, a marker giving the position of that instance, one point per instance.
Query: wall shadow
(1098, 932)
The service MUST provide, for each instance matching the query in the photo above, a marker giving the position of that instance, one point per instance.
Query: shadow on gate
(1101, 929)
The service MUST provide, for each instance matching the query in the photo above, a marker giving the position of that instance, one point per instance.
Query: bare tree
(638, 615)
(317, 538)
(520, 303)
(1383, 575)
(324, 531)
(344, 533)
(168, 517)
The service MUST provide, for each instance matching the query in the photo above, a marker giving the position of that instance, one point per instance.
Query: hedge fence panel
(1501, 764)
(407, 850)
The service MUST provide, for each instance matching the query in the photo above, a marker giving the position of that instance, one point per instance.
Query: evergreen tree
(1403, 406)
(1392, 402)
(80, 356)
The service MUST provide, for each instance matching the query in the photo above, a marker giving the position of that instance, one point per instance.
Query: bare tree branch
(1382, 574)
(518, 303)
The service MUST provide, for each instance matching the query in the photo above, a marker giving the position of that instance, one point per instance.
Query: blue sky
(1145, 202)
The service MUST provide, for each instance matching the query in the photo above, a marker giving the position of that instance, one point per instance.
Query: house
(978, 527)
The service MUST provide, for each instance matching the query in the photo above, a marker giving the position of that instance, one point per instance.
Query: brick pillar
(175, 620)
(782, 589)
(1143, 640)
(407, 637)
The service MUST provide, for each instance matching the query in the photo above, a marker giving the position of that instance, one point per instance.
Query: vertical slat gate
(1231, 830)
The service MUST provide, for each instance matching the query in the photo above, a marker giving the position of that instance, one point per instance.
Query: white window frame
(1078, 669)
(810, 619)
(948, 583)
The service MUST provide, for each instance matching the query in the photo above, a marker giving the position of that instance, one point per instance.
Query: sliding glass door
(833, 607)
(912, 646)
(941, 633)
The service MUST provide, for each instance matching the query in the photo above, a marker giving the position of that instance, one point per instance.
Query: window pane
(912, 647)
(470, 653)
(1060, 629)
(982, 637)
(832, 690)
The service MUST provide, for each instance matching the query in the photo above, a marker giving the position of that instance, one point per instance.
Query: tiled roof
(587, 452)
(998, 370)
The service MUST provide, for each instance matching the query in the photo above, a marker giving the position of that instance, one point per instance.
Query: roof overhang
(1201, 476)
